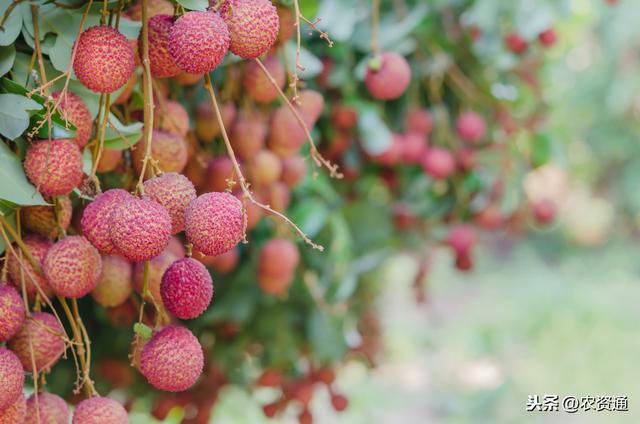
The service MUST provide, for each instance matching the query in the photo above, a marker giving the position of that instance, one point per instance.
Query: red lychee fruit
(109, 160)
(157, 267)
(172, 117)
(392, 154)
(104, 59)
(544, 211)
(99, 410)
(338, 145)
(264, 169)
(490, 218)
(464, 262)
(185, 78)
(339, 402)
(174, 192)
(257, 84)
(287, 23)
(418, 120)
(140, 229)
(54, 166)
(11, 376)
(248, 135)
(271, 409)
(439, 163)
(215, 223)
(43, 333)
(516, 44)
(170, 150)
(344, 117)
(222, 264)
(154, 8)
(278, 196)
(390, 79)
(161, 62)
(462, 238)
(186, 288)
(471, 127)
(198, 41)
(286, 135)
(311, 103)
(253, 26)
(207, 128)
(277, 264)
(72, 267)
(12, 312)
(219, 172)
(548, 37)
(114, 286)
(74, 110)
(42, 219)
(176, 247)
(413, 147)
(19, 267)
(47, 408)
(294, 169)
(466, 159)
(172, 360)
(14, 413)
(96, 219)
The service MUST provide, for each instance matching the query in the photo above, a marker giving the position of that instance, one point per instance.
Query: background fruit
(174, 192)
(72, 267)
(390, 79)
(253, 26)
(12, 312)
(186, 288)
(99, 410)
(54, 167)
(42, 333)
(115, 283)
(42, 219)
(48, 408)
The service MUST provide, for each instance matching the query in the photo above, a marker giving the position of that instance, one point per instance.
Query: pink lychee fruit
(294, 169)
(390, 79)
(74, 110)
(253, 26)
(462, 238)
(186, 288)
(54, 166)
(43, 221)
(173, 191)
(516, 43)
(43, 334)
(418, 120)
(248, 135)
(99, 410)
(47, 408)
(439, 163)
(168, 149)
(161, 63)
(172, 117)
(11, 378)
(72, 267)
(258, 85)
(471, 127)
(277, 264)
(96, 219)
(19, 267)
(115, 284)
(154, 8)
(14, 413)
(12, 312)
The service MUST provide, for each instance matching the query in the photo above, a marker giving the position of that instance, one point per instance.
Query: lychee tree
(200, 193)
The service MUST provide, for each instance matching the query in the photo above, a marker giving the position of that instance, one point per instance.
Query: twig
(314, 25)
(147, 89)
(375, 27)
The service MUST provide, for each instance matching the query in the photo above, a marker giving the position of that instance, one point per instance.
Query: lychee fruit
(176, 247)
(516, 43)
(99, 410)
(277, 264)
(215, 223)
(248, 135)
(339, 402)
(43, 333)
(72, 267)
(462, 238)
(286, 135)
(344, 117)
(42, 219)
(12, 312)
(471, 127)
(19, 267)
(140, 229)
(548, 37)
(168, 149)
(154, 8)
(174, 192)
(264, 168)
(207, 128)
(311, 103)
(466, 159)
(253, 26)
(418, 120)
(186, 288)
(172, 117)
(413, 147)
(389, 78)
(222, 264)
(198, 41)
(172, 360)
(287, 23)
(392, 154)
(14, 413)
(257, 84)
(439, 163)
(157, 267)
(544, 211)
(109, 160)
(294, 169)
(104, 59)
(278, 196)
(54, 166)
(114, 286)
(74, 110)
(96, 219)
(161, 62)
(219, 172)
(186, 78)
(11, 376)
(46, 408)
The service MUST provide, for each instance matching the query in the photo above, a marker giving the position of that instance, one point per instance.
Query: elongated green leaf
(375, 136)
(119, 136)
(14, 118)
(11, 26)
(15, 188)
(7, 57)
(194, 4)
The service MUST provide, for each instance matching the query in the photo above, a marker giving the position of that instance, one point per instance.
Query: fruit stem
(86, 381)
(375, 27)
(97, 154)
(36, 36)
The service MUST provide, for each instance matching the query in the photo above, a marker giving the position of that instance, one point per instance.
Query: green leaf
(312, 65)
(142, 330)
(325, 336)
(7, 57)
(375, 136)
(15, 188)
(119, 136)
(310, 215)
(201, 5)
(11, 26)
(87, 161)
(14, 118)
(540, 149)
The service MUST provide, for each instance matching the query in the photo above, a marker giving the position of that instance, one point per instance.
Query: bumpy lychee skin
(42, 332)
(55, 167)
(72, 267)
(214, 223)
(186, 288)
(198, 41)
(99, 410)
(11, 312)
(38, 249)
(172, 117)
(42, 219)
(157, 267)
(257, 84)
(172, 360)
(160, 61)
(14, 413)
(48, 409)
(391, 79)
(104, 59)
(253, 26)
(11, 378)
(170, 150)
(277, 264)
(471, 127)
(141, 229)
(96, 219)
(114, 286)
(75, 111)
(174, 192)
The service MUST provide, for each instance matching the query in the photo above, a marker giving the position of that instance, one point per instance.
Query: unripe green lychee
(104, 59)
(172, 359)
(140, 229)
(277, 264)
(154, 8)
(14, 413)
(257, 84)
(100, 410)
(390, 79)
(42, 219)
(19, 267)
(264, 168)
(186, 288)
(253, 26)
(174, 192)
(157, 267)
(248, 135)
(47, 408)
(172, 117)
(160, 61)
(11, 312)
(43, 333)
(11, 378)
(114, 286)
(207, 128)
(198, 41)
(55, 166)
(170, 150)
(215, 223)
(96, 219)
(74, 110)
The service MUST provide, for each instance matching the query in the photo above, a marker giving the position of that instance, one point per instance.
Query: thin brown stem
(86, 381)
(36, 35)
(375, 27)
(147, 88)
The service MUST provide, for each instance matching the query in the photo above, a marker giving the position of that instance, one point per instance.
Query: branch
(147, 88)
